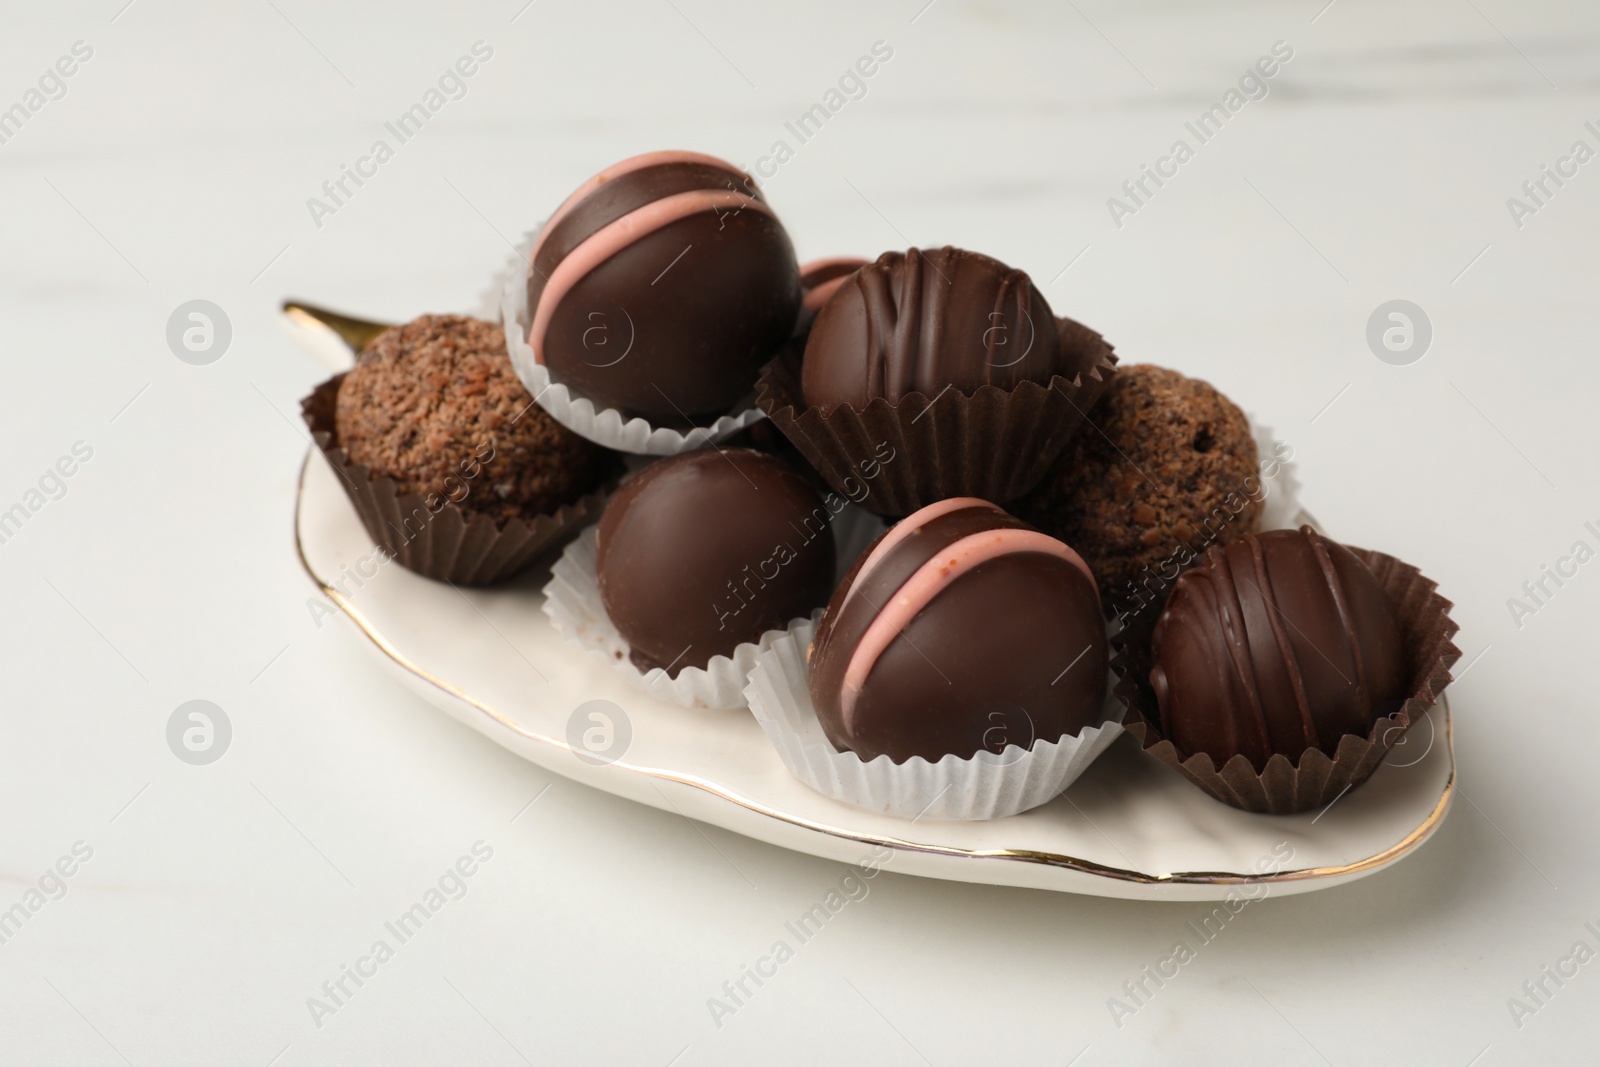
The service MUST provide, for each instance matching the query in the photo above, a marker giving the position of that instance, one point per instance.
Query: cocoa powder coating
(435, 405)
(1166, 468)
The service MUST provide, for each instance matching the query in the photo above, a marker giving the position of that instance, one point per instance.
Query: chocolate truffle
(661, 286)
(1280, 643)
(961, 628)
(435, 405)
(925, 320)
(707, 550)
(1166, 467)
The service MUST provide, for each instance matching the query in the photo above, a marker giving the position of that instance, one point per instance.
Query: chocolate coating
(1007, 650)
(661, 287)
(924, 320)
(1167, 467)
(706, 550)
(435, 405)
(1280, 643)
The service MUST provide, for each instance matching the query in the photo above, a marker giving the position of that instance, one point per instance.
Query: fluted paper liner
(995, 444)
(572, 601)
(1285, 788)
(450, 544)
(605, 426)
(988, 785)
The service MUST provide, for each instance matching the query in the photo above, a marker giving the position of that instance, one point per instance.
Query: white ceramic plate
(1128, 828)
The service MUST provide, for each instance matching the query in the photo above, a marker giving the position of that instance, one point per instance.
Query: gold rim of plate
(1418, 834)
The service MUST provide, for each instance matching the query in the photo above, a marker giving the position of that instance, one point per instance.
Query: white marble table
(207, 905)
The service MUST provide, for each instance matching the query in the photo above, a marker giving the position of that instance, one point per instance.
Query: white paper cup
(987, 785)
(1281, 508)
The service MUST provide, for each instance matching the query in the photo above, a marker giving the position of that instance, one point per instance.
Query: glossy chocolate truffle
(661, 286)
(706, 550)
(1166, 468)
(961, 628)
(435, 405)
(924, 320)
(1280, 643)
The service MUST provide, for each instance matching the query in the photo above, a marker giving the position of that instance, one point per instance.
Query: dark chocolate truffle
(925, 320)
(961, 628)
(1280, 643)
(707, 550)
(435, 405)
(661, 286)
(1166, 467)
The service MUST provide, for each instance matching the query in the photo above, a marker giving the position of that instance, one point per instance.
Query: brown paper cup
(447, 543)
(893, 458)
(1285, 788)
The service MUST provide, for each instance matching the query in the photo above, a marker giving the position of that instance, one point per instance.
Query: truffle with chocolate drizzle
(930, 319)
(1280, 643)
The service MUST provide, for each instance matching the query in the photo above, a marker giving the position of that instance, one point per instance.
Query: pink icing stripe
(908, 526)
(827, 262)
(611, 239)
(931, 579)
(617, 170)
(818, 295)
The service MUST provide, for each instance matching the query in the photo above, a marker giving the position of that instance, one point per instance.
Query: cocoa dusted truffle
(962, 628)
(661, 286)
(924, 320)
(1280, 643)
(1165, 467)
(707, 550)
(435, 405)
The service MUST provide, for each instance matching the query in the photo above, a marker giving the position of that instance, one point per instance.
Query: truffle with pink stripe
(961, 629)
(660, 287)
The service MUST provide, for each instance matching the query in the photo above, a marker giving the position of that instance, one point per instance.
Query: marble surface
(208, 904)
